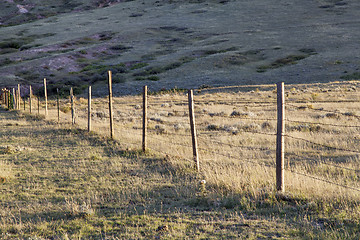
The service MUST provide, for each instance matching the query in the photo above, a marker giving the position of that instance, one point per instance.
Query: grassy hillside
(58, 181)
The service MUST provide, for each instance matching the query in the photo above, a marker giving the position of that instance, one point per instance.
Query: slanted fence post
(280, 138)
(89, 109)
(193, 129)
(58, 104)
(72, 106)
(145, 122)
(30, 97)
(7, 98)
(45, 93)
(14, 98)
(110, 106)
(18, 97)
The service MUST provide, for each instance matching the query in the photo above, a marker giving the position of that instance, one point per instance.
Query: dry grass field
(60, 182)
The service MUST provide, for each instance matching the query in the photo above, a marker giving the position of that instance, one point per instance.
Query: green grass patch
(353, 76)
(289, 60)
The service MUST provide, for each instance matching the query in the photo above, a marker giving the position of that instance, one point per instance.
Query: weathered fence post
(145, 103)
(14, 98)
(30, 97)
(7, 98)
(45, 93)
(2, 97)
(193, 129)
(24, 103)
(58, 104)
(89, 109)
(18, 97)
(280, 143)
(110, 106)
(72, 106)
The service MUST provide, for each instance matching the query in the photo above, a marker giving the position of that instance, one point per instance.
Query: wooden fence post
(45, 93)
(145, 122)
(89, 109)
(72, 106)
(193, 129)
(24, 103)
(14, 98)
(7, 98)
(280, 143)
(18, 97)
(58, 104)
(17, 100)
(110, 106)
(38, 105)
(30, 97)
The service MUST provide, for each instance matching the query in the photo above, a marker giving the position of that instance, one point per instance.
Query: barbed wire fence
(153, 134)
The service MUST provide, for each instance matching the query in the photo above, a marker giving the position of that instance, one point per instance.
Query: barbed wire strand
(172, 142)
(236, 146)
(241, 159)
(326, 124)
(324, 180)
(235, 86)
(323, 145)
(325, 101)
(234, 117)
(324, 162)
(169, 154)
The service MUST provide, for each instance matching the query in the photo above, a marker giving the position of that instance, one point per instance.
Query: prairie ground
(60, 182)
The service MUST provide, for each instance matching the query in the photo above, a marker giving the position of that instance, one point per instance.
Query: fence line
(155, 101)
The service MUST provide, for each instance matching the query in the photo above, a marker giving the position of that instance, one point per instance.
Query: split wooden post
(14, 98)
(18, 97)
(145, 121)
(17, 100)
(280, 138)
(30, 97)
(58, 104)
(2, 96)
(45, 93)
(110, 106)
(7, 98)
(72, 106)
(89, 109)
(193, 129)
